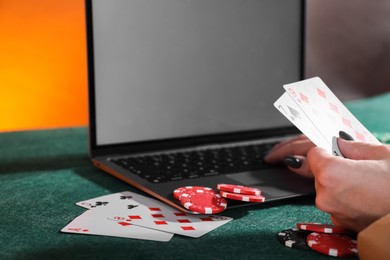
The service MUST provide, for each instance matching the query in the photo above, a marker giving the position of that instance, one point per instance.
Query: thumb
(362, 151)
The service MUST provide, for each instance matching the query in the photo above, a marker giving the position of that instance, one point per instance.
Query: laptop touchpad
(275, 182)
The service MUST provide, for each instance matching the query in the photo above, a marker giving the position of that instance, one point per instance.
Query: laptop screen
(180, 68)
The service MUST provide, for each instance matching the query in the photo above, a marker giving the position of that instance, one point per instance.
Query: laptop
(181, 92)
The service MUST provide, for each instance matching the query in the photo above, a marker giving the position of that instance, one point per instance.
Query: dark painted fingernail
(293, 161)
(345, 136)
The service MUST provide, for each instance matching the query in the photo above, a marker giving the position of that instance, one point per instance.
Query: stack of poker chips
(241, 193)
(205, 200)
(323, 238)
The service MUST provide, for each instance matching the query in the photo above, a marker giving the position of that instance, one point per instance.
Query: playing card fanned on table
(128, 214)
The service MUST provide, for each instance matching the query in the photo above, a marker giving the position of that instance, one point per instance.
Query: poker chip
(238, 189)
(177, 192)
(321, 228)
(294, 238)
(202, 200)
(242, 197)
(332, 244)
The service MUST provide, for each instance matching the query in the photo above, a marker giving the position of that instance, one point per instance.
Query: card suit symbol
(304, 98)
(123, 197)
(321, 93)
(134, 217)
(131, 206)
(154, 209)
(100, 203)
(160, 222)
(206, 219)
(158, 215)
(187, 228)
(360, 136)
(124, 223)
(334, 107)
(346, 122)
(294, 112)
(184, 221)
(180, 214)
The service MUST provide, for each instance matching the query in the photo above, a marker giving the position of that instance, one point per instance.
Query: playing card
(124, 198)
(93, 222)
(150, 213)
(287, 106)
(168, 219)
(326, 112)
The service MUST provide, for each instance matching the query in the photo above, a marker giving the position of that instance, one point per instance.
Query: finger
(287, 141)
(318, 159)
(295, 147)
(363, 151)
(299, 165)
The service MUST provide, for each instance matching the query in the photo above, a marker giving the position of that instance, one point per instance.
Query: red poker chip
(177, 192)
(332, 244)
(203, 200)
(242, 197)
(321, 228)
(238, 189)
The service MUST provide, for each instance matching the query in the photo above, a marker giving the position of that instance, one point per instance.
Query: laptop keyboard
(158, 168)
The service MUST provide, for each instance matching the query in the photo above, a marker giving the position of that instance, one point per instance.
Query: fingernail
(293, 161)
(345, 136)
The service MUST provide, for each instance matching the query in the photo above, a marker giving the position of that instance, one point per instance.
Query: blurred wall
(348, 46)
(42, 64)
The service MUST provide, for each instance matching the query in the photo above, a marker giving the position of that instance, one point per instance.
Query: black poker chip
(294, 238)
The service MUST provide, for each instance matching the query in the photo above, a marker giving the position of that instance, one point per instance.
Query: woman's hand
(293, 153)
(354, 190)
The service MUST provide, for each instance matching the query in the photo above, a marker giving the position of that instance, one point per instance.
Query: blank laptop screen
(180, 68)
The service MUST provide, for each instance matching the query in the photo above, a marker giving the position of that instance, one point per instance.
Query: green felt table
(43, 173)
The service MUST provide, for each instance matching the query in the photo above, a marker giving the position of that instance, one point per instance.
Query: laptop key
(194, 164)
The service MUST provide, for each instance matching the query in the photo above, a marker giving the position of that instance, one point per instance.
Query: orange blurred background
(43, 78)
